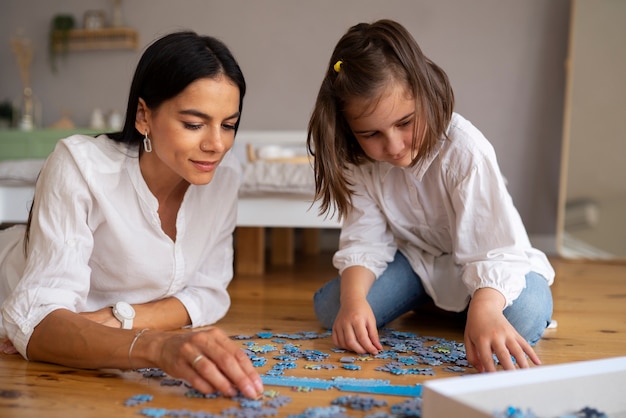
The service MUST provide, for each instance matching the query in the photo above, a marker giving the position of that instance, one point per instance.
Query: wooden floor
(590, 307)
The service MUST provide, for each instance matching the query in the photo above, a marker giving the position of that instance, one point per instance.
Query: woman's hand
(7, 347)
(355, 327)
(488, 332)
(207, 359)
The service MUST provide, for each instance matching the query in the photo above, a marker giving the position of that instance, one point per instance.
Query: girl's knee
(531, 313)
(326, 304)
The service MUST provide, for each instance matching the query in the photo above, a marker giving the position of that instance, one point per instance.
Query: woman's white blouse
(450, 215)
(96, 239)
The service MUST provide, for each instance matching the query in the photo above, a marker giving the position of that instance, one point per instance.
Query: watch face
(125, 310)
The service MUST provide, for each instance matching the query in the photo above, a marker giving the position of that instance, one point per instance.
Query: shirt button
(70, 243)
(25, 329)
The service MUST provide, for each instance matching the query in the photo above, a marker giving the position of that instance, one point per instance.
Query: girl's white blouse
(96, 239)
(450, 215)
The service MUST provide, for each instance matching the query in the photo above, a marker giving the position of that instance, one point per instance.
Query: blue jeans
(399, 290)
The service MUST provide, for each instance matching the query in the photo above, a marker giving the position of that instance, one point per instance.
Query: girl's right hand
(355, 328)
(208, 360)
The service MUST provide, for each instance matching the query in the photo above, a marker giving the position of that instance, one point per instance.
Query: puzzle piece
(154, 412)
(138, 400)
(408, 408)
(152, 373)
(322, 412)
(361, 403)
(171, 382)
(278, 401)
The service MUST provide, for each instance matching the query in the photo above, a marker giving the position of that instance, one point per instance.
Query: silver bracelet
(130, 349)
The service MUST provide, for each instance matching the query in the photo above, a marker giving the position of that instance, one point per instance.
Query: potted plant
(59, 35)
(6, 114)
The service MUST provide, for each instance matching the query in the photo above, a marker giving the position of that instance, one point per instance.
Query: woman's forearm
(165, 314)
(66, 338)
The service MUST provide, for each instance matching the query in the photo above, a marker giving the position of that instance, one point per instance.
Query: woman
(130, 234)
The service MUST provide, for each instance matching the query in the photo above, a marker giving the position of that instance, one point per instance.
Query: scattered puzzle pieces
(513, 412)
(360, 403)
(408, 408)
(406, 354)
(322, 412)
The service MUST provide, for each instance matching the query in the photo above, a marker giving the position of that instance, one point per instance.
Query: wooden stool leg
(311, 241)
(282, 250)
(250, 250)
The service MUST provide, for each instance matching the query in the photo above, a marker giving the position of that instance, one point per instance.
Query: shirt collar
(419, 169)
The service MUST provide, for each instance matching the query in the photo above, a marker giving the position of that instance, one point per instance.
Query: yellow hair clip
(337, 66)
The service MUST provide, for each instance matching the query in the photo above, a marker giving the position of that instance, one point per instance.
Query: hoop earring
(147, 144)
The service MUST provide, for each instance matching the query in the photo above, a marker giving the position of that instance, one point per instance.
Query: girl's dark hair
(168, 66)
(372, 56)
(165, 69)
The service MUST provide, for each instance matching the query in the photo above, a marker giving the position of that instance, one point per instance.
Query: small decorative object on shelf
(64, 123)
(28, 109)
(97, 119)
(28, 106)
(116, 19)
(115, 121)
(94, 20)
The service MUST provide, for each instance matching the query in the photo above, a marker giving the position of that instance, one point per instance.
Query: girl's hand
(208, 360)
(355, 328)
(488, 332)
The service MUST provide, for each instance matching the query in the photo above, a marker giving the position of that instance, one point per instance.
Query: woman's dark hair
(365, 61)
(168, 66)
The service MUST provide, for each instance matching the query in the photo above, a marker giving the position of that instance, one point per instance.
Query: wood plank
(282, 246)
(311, 241)
(249, 250)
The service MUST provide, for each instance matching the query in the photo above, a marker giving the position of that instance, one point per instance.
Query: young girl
(130, 234)
(426, 214)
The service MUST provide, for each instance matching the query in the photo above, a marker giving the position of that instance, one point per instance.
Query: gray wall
(505, 59)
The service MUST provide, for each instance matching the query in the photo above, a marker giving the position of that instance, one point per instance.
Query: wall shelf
(95, 39)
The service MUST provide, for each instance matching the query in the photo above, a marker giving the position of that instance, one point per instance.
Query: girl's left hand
(488, 332)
